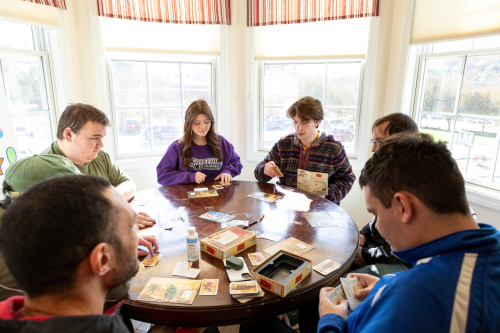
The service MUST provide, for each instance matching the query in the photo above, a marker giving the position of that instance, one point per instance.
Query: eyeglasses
(373, 142)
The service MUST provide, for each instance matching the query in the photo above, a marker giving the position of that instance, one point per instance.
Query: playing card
(326, 267)
(193, 273)
(201, 189)
(151, 261)
(141, 266)
(270, 236)
(218, 187)
(278, 171)
(225, 184)
(256, 258)
(335, 215)
(209, 287)
(247, 287)
(302, 246)
(182, 268)
(337, 295)
(350, 287)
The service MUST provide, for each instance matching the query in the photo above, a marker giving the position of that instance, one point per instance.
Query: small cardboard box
(228, 242)
(282, 272)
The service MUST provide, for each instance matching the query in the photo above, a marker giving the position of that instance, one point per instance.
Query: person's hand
(326, 306)
(359, 258)
(269, 169)
(151, 243)
(143, 220)
(200, 177)
(366, 281)
(224, 177)
(362, 240)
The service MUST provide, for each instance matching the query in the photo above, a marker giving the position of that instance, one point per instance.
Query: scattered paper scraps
(218, 187)
(202, 194)
(201, 189)
(335, 215)
(323, 224)
(270, 236)
(278, 171)
(170, 222)
(151, 261)
(256, 258)
(182, 268)
(267, 197)
(314, 217)
(244, 288)
(337, 295)
(350, 287)
(225, 184)
(235, 223)
(209, 287)
(326, 267)
(291, 245)
(216, 216)
(170, 290)
(193, 273)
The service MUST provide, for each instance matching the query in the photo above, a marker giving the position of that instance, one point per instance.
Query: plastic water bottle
(193, 245)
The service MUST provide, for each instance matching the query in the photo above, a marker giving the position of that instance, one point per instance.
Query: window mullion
(150, 112)
(457, 102)
(491, 176)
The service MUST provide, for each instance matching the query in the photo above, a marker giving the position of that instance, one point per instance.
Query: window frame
(163, 58)
(260, 65)
(424, 53)
(41, 39)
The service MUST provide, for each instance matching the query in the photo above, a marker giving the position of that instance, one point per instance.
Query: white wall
(388, 55)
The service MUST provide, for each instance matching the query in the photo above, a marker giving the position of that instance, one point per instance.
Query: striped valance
(271, 12)
(168, 11)
(52, 3)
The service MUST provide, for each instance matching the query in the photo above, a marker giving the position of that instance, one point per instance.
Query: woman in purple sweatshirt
(201, 154)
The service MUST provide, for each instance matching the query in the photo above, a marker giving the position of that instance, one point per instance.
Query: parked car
(338, 123)
(277, 124)
(163, 133)
(129, 126)
(342, 134)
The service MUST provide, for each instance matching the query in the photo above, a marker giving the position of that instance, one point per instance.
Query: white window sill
(483, 196)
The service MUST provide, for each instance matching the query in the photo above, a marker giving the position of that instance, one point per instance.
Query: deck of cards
(278, 171)
(326, 267)
(350, 287)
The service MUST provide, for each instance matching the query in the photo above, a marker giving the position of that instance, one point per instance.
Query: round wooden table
(337, 243)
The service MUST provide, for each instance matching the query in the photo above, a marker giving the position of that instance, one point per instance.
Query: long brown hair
(194, 109)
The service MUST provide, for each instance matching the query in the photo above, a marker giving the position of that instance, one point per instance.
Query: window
(24, 63)
(335, 84)
(458, 101)
(153, 80)
(155, 94)
(293, 61)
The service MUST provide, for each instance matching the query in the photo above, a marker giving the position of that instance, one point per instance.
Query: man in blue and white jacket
(415, 189)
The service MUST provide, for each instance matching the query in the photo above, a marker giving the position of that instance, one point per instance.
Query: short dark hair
(306, 108)
(417, 164)
(76, 115)
(396, 123)
(49, 230)
(7, 200)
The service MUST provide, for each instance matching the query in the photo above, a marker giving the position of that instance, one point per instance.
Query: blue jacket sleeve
(332, 323)
(168, 172)
(233, 166)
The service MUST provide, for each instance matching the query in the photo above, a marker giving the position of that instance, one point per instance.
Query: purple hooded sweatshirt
(170, 171)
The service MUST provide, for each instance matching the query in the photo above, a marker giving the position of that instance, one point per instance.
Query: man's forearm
(127, 189)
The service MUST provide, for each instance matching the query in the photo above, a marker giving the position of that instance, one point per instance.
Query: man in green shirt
(80, 134)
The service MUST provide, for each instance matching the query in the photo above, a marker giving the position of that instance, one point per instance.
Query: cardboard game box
(228, 242)
(282, 272)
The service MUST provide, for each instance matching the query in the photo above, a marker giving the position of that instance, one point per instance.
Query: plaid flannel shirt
(327, 156)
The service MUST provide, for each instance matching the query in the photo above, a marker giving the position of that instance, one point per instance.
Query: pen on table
(262, 217)
(251, 224)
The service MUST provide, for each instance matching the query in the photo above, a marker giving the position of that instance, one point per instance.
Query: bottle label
(192, 249)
